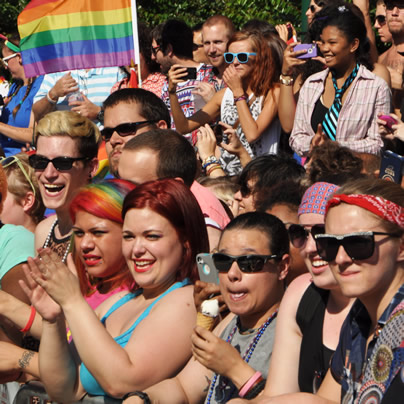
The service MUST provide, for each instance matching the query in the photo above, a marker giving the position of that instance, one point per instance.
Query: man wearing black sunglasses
(381, 23)
(127, 113)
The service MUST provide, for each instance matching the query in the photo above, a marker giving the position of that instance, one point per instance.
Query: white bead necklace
(48, 237)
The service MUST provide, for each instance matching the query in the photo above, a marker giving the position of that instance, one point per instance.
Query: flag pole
(136, 40)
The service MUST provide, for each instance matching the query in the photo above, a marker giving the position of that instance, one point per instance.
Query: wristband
(208, 161)
(250, 382)
(244, 97)
(255, 390)
(53, 102)
(140, 394)
(30, 320)
(215, 167)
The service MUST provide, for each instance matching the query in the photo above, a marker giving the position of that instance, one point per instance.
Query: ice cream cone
(205, 321)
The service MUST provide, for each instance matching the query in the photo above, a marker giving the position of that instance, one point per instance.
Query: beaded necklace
(247, 356)
(48, 237)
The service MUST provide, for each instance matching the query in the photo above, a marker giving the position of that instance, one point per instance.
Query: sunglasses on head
(8, 161)
(359, 245)
(242, 57)
(39, 162)
(246, 263)
(381, 19)
(124, 129)
(298, 234)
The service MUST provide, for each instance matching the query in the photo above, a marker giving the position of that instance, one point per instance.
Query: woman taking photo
(252, 261)
(342, 102)
(249, 104)
(144, 336)
(17, 118)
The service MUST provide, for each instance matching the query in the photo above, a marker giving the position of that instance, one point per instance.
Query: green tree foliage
(9, 11)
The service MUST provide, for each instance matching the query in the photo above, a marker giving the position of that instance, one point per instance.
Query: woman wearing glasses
(366, 255)
(252, 261)
(17, 119)
(23, 204)
(143, 336)
(249, 104)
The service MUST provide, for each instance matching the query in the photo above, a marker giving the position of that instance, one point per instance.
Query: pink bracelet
(250, 382)
(244, 97)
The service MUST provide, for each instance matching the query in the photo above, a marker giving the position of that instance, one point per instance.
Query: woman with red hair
(143, 336)
(248, 107)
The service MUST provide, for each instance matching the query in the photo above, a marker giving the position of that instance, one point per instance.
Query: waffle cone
(205, 321)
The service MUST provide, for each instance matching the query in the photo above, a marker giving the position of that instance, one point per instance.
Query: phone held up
(191, 74)
(206, 268)
(390, 121)
(311, 49)
(391, 167)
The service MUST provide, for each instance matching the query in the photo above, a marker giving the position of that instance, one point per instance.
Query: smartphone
(206, 268)
(218, 131)
(392, 166)
(390, 121)
(191, 74)
(311, 50)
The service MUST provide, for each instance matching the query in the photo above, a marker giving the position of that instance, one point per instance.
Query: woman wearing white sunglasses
(249, 104)
(17, 119)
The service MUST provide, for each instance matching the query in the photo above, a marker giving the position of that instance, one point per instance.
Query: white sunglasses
(8, 58)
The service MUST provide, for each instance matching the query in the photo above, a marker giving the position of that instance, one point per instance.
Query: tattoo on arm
(208, 381)
(25, 359)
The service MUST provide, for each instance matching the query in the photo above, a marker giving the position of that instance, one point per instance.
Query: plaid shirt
(367, 97)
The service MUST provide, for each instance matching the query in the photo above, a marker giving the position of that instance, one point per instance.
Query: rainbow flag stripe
(60, 35)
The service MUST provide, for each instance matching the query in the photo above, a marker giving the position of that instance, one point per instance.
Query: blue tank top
(88, 381)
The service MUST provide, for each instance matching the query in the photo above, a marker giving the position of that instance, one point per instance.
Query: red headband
(381, 207)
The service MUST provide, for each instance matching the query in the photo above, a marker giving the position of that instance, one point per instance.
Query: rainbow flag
(60, 35)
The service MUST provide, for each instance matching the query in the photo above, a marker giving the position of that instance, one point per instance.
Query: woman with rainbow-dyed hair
(96, 212)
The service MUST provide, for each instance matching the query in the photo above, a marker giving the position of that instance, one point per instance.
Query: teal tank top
(87, 379)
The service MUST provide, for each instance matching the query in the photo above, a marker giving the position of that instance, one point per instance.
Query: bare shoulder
(42, 230)
(177, 301)
(294, 294)
(382, 71)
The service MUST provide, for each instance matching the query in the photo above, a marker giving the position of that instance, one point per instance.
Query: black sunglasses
(39, 162)
(381, 19)
(390, 5)
(124, 129)
(155, 49)
(359, 246)
(246, 263)
(298, 234)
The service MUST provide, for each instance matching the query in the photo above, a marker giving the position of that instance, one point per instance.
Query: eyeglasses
(312, 9)
(242, 57)
(124, 129)
(359, 246)
(155, 49)
(246, 263)
(298, 235)
(381, 19)
(8, 161)
(390, 6)
(8, 58)
(39, 162)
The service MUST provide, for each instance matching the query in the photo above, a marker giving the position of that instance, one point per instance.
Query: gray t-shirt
(224, 389)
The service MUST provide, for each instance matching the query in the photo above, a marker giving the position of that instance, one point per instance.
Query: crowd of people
(252, 170)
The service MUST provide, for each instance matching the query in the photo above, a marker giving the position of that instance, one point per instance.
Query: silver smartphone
(206, 268)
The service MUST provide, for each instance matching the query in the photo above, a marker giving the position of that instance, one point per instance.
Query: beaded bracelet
(140, 394)
(244, 97)
(30, 320)
(207, 164)
(53, 102)
(255, 390)
(249, 383)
